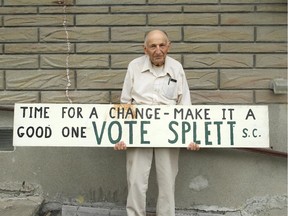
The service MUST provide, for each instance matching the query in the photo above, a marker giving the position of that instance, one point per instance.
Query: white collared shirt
(144, 85)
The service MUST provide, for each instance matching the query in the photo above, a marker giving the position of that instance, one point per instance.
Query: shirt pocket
(169, 88)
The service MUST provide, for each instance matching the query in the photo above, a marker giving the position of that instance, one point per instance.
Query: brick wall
(230, 49)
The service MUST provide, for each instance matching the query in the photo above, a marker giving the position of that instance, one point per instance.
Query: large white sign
(99, 125)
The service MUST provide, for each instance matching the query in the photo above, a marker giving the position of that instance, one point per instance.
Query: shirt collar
(147, 66)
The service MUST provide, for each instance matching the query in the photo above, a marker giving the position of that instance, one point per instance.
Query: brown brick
(11, 97)
(210, 33)
(271, 8)
(115, 97)
(74, 10)
(269, 33)
(108, 2)
(122, 61)
(18, 61)
(37, 79)
(182, 1)
(37, 48)
(100, 79)
(75, 34)
(18, 35)
(218, 61)
(193, 47)
(222, 97)
(252, 1)
(231, 50)
(36, 20)
(202, 79)
(108, 19)
(38, 2)
(249, 78)
(90, 97)
(146, 9)
(109, 48)
(267, 97)
(254, 47)
(75, 61)
(18, 10)
(218, 8)
(1, 80)
(271, 60)
(136, 34)
(253, 19)
(183, 19)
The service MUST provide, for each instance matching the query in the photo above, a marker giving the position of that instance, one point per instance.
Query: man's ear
(169, 45)
(145, 49)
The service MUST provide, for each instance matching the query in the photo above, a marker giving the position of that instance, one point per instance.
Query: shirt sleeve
(184, 98)
(126, 97)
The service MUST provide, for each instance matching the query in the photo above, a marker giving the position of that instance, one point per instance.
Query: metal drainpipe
(6, 108)
(266, 151)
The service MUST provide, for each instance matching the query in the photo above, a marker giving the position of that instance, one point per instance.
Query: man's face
(156, 47)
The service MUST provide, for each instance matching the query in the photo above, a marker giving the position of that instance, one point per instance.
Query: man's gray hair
(146, 33)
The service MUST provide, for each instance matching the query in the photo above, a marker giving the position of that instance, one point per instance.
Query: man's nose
(158, 50)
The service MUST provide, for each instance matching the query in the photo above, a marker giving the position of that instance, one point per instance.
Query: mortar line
(68, 53)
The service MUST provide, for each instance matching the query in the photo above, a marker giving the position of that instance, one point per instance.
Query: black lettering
(198, 115)
(94, 113)
(245, 130)
(35, 112)
(24, 111)
(19, 133)
(250, 114)
(72, 112)
(254, 132)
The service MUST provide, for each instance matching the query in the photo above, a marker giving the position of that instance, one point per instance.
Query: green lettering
(130, 123)
(195, 134)
(98, 138)
(118, 139)
(143, 132)
(207, 133)
(174, 132)
(218, 123)
(185, 128)
(231, 123)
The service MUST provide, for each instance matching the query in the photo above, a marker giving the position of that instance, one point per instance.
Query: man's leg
(138, 163)
(166, 161)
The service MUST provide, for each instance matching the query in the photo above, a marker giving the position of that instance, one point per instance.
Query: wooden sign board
(103, 125)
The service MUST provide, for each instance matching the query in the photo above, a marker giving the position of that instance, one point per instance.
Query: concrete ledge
(20, 199)
(68, 210)
(266, 205)
(28, 206)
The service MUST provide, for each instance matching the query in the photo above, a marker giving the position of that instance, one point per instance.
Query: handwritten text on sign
(100, 125)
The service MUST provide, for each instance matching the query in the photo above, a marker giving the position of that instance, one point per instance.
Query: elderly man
(153, 79)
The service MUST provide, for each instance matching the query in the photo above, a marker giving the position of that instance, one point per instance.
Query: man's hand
(193, 146)
(120, 146)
